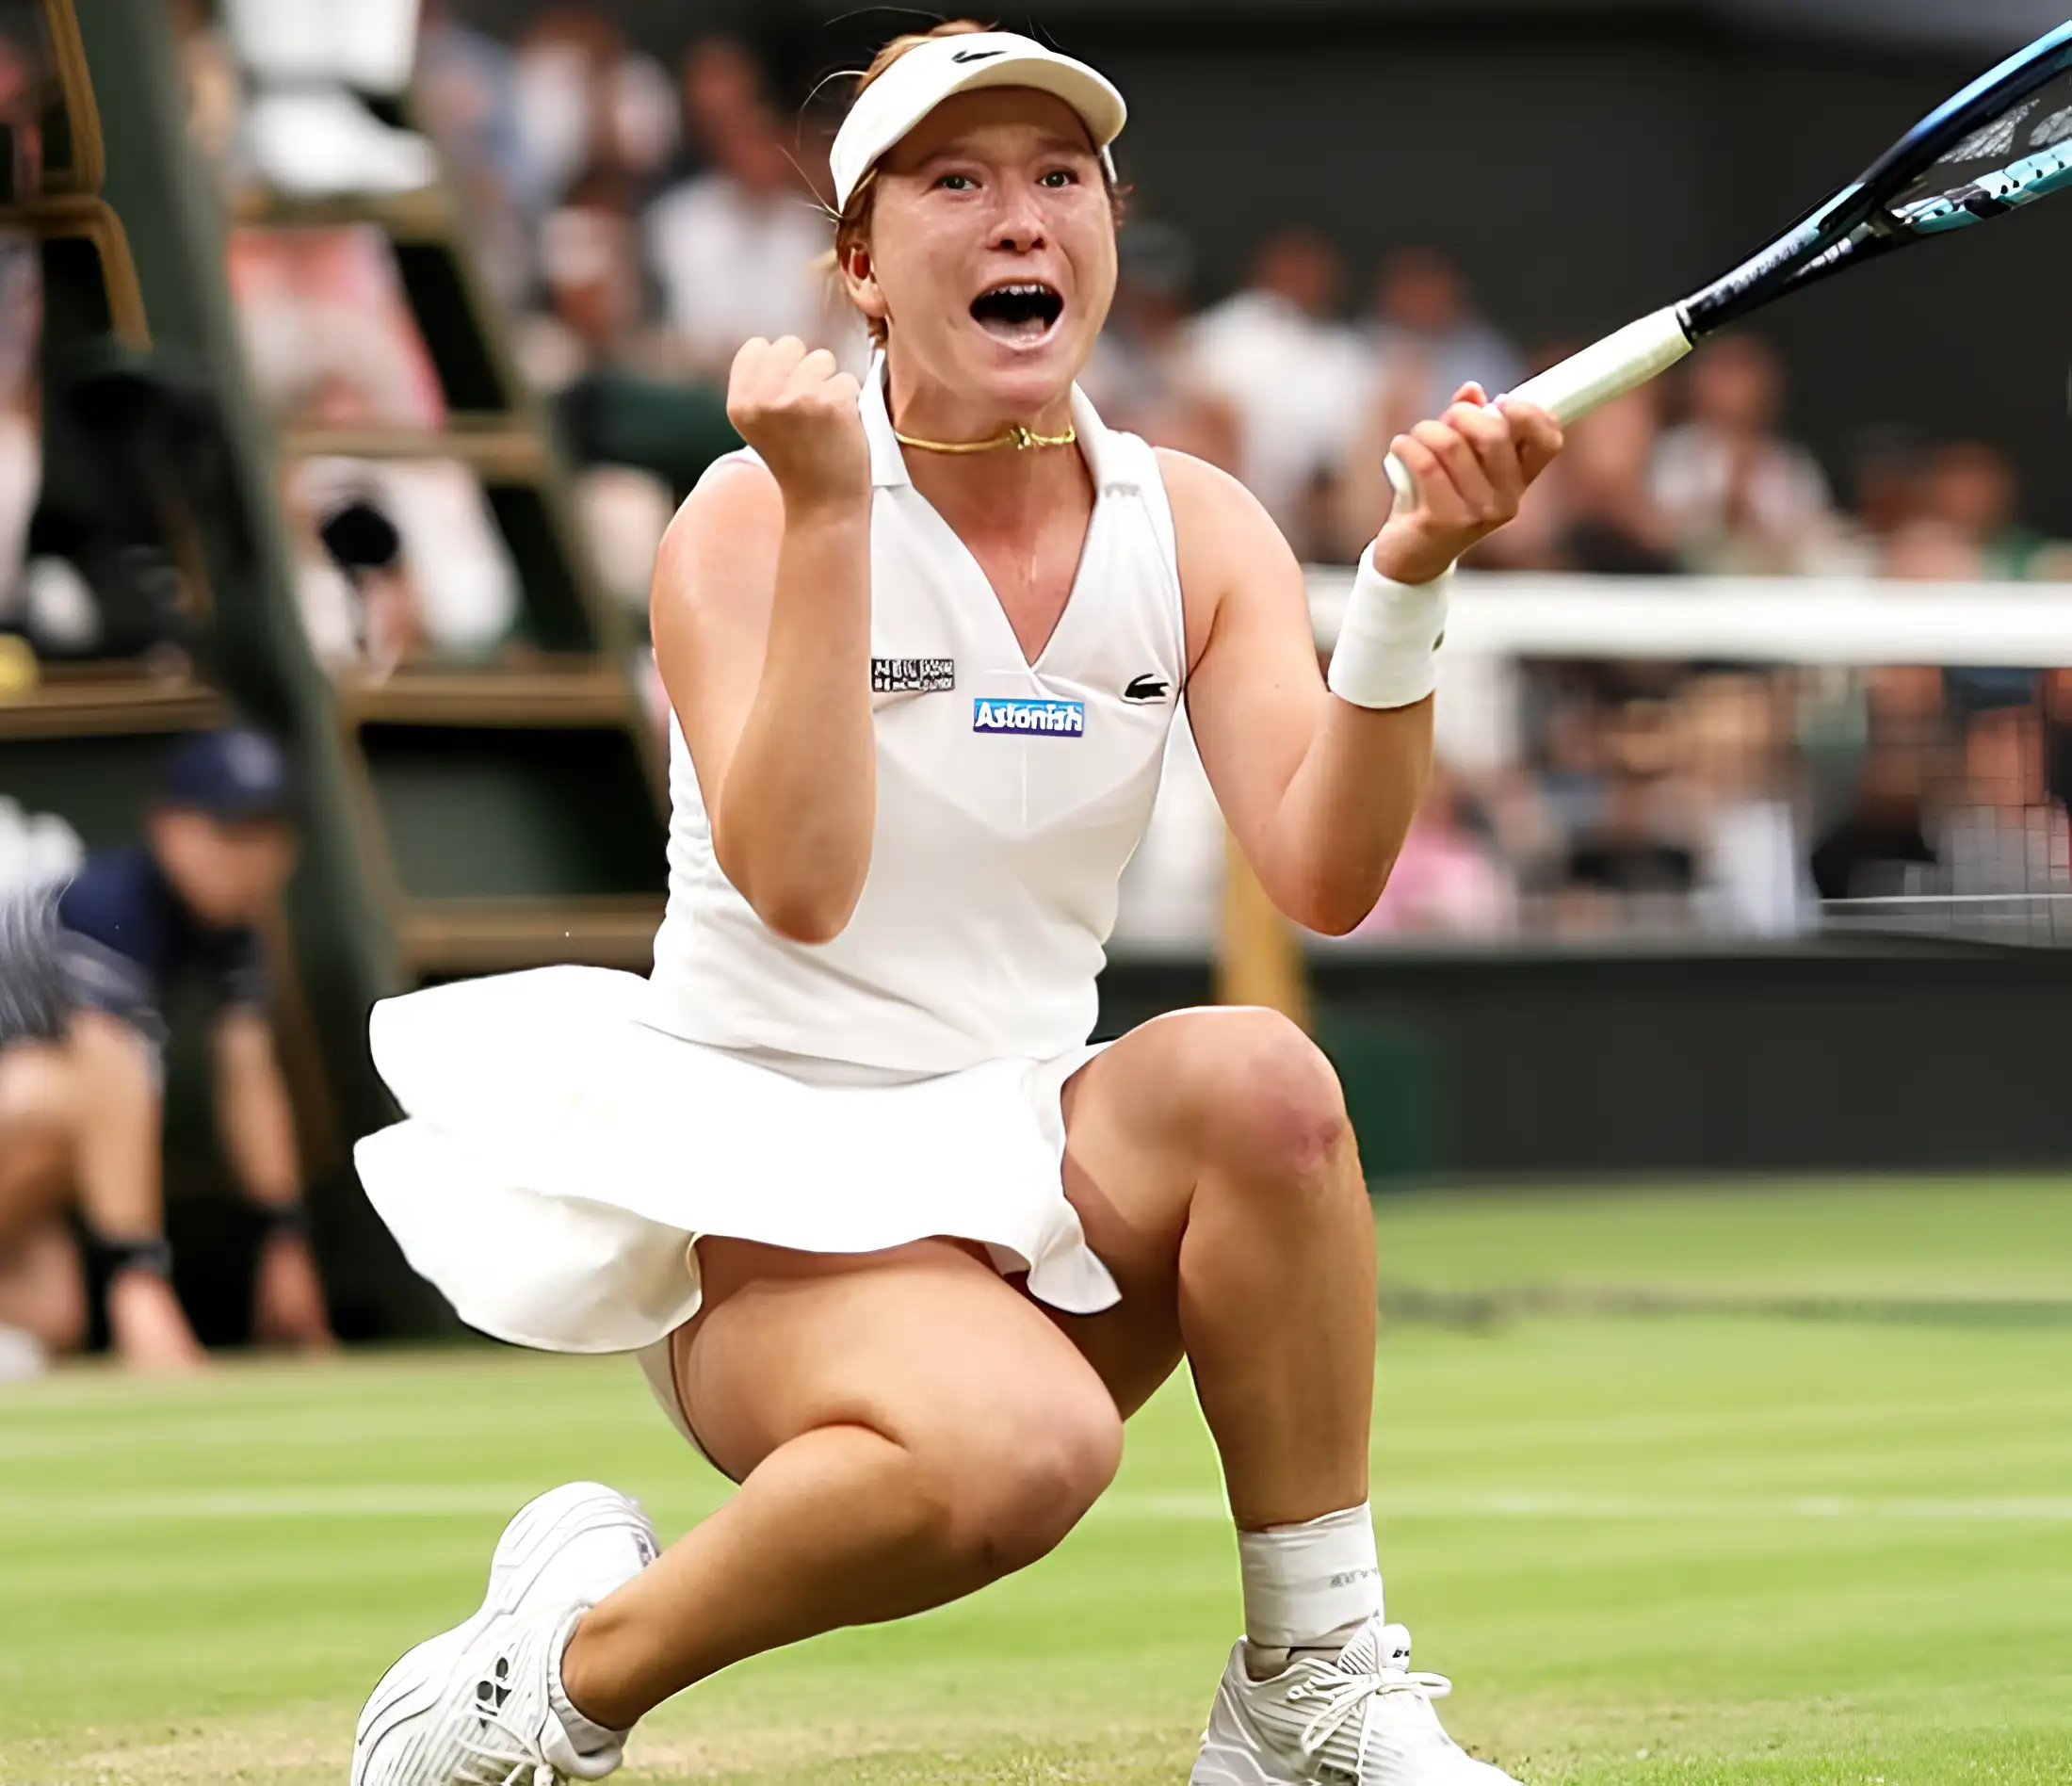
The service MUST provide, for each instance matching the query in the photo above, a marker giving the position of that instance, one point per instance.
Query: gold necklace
(1013, 435)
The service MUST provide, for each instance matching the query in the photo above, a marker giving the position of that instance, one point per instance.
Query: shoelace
(1354, 1691)
(527, 1766)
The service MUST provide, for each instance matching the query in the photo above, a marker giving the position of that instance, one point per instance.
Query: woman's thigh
(926, 1344)
(1188, 1093)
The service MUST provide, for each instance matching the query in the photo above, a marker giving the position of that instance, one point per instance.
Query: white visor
(928, 75)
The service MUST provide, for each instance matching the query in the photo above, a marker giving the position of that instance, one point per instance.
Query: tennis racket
(2003, 143)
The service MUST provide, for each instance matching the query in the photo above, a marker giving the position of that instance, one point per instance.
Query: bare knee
(1272, 1112)
(1024, 1478)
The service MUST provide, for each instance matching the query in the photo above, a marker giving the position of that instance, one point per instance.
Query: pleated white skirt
(561, 1156)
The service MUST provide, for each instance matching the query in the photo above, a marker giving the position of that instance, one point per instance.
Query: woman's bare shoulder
(731, 524)
(1223, 534)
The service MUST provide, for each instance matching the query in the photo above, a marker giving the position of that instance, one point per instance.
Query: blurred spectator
(1426, 343)
(467, 94)
(596, 299)
(1627, 872)
(566, 84)
(1927, 550)
(467, 90)
(1142, 376)
(398, 558)
(332, 341)
(42, 1304)
(1614, 525)
(1428, 338)
(1886, 468)
(357, 605)
(1972, 489)
(645, 125)
(85, 968)
(1905, 710)
(1754, 884)
(1967, 530)
(1446, 881)
(36, 849)
(630, 393)
(737, 249)
(25, 75)
(1297, 379)
(722, 87)
(1637, 862)
(21, 409)
(629, 389)
(625, 512)
(306, 131)
(1882, 847)
(1877, 849)
(1743, 498)
(2008, 836)
(1595, 510)
(1570, 755)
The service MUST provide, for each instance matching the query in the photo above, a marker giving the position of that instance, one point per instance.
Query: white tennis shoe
(472, 1707)
(1358, 1718)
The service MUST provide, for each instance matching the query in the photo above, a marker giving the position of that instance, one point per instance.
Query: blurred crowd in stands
(648, 221)
(637, 222)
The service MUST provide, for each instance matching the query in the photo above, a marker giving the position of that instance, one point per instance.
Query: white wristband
(1388, 639)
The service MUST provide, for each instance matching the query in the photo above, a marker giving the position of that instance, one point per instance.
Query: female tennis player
(900, 1250)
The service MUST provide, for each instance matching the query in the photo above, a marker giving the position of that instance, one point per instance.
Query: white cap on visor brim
(930, 72)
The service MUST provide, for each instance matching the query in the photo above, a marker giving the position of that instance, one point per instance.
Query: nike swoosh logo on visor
(975, 55)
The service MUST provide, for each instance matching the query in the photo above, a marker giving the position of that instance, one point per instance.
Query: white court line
(1520, 1504)
(406, 1501)
(422, 1501)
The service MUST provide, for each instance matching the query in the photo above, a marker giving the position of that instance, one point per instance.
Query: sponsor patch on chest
(913, 676)
(1043, 719)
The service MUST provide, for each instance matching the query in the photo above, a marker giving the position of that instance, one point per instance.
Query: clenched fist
(797, 410)
(1472, 467)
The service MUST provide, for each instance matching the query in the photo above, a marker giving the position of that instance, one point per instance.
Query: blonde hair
(853, 226)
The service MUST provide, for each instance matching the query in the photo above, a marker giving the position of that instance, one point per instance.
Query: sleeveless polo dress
(571, 1131)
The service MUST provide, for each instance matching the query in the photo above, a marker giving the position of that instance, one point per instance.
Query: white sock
(1308, 1586)
(585, 1735)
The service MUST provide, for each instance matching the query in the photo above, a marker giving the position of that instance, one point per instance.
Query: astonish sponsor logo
(1045, 719)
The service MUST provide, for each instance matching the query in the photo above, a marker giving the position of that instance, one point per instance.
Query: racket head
(2002, 142)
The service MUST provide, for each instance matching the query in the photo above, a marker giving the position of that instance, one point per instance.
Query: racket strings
(2021, 154)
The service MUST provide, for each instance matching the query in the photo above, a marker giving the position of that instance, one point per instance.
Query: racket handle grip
(1588, 380)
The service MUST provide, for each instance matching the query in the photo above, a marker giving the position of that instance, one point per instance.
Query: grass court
(1744, 1487)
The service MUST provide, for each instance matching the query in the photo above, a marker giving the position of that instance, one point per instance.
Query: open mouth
(1024, 310)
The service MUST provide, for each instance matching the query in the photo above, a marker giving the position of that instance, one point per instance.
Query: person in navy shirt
(85, 967)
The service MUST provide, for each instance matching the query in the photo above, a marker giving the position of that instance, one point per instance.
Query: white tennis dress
(571, 1131)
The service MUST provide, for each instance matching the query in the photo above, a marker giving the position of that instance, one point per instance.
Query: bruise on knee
(1274, 1111)
(1011, 1494)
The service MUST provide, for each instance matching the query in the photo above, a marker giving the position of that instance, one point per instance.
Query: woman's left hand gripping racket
(2004, 141)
